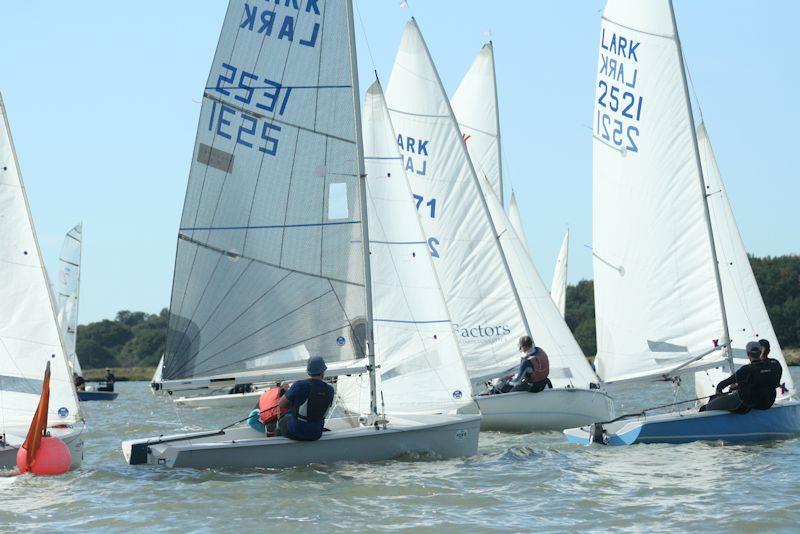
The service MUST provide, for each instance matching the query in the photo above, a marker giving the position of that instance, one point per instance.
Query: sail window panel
(338, 201)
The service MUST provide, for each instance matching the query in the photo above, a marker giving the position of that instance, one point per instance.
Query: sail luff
(497, 122)
(481, 195)
(558, 287)
(362, 184)
(726, 341)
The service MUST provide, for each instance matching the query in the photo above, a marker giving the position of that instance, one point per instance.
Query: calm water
(516, 483)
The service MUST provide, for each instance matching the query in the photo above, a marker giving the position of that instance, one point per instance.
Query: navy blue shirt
(297, 395)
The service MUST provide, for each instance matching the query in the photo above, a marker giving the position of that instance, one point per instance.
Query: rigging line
(224, 328)
(251, 334)
(691, 83)
(366, 38)
(347, 318)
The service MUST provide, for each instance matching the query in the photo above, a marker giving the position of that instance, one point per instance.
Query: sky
(103, 100)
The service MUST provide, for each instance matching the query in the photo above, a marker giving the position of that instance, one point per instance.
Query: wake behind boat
(663, 299)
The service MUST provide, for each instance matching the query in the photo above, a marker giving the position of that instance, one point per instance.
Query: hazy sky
(103, 99)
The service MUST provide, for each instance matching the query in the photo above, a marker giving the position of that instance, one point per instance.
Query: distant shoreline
(123, 374)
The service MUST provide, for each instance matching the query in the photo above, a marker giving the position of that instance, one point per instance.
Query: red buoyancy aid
(268, 404)
(541, 365)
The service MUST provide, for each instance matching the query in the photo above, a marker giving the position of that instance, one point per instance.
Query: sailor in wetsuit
(753, 385)
(308, 402)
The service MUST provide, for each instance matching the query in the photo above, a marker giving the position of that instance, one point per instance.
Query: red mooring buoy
(52, 458)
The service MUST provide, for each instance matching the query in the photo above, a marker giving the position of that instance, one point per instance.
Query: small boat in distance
(68, 288)
(669, 264)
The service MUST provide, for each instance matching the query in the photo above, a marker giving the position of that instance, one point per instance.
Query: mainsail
(475, 106)
(67, 288)
(29, 332)
(558, 288)
(270, 267)
(421, 369)
(747, 316)
(460, 234)
(657, 307)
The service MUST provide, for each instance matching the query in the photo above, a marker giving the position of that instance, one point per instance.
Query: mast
(497, 122)
(481, 196)
(362, 184)
(725, 332)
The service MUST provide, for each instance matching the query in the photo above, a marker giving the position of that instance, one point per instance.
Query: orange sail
(39, 423)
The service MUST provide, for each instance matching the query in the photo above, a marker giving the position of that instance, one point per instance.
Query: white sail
(475, 106)
(421, 369)
(67, 289)
(568, 364)
(270, 267)
(656, 303)
(747, 316)
(558, 288)
(468, 261)
(515, 217)
(29, 332)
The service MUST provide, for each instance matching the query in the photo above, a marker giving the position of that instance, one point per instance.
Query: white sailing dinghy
(272, 262)
(29, 332)
(67, 290)
(490, 285)
(661, 302)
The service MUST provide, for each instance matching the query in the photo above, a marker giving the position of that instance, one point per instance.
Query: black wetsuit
(756, 381)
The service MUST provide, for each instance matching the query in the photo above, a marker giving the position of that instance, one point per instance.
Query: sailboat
(664, 303)
(492, 290)
(29, 332)
(273, 262)
(67, 289)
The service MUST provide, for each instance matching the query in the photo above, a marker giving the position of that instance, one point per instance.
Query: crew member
(80, 383)
(534, 367)
(110, 379)
(755, 384)
(764, 349)
(308, 402)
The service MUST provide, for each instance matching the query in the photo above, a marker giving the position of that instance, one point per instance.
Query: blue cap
(315, 366)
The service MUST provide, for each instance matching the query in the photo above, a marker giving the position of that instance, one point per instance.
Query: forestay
(29, 333)
(421, 369)
(67, 288)
(468, 261)
(515, 218)
(475, 106)
(269, 266)
(558, 288)
(747, 316)
(655, 299)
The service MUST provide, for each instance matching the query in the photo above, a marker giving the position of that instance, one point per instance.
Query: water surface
(517, 482)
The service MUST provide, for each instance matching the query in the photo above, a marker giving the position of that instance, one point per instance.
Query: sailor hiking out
(307, 402)
(753, 386)
(532, 373)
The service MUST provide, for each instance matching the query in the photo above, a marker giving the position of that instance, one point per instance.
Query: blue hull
(779, 422)
(97, 395)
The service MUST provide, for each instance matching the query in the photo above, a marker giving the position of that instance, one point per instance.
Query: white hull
(440, 436)
(237, 400)
(73, 437)
(551, 409)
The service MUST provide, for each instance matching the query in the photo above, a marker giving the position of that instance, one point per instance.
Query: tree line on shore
(138, 339)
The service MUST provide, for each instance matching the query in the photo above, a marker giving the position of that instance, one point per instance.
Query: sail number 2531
(626, 105)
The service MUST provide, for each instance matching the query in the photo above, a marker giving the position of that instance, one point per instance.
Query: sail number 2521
(623, 104)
